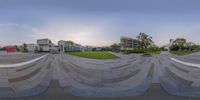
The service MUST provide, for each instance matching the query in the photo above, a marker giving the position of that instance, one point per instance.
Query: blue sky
(98, 22)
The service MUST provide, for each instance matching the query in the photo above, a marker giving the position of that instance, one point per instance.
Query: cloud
(8, 24)
(100, 29)
(12, 33)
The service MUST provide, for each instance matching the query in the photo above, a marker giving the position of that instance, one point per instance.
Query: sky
(98, 22)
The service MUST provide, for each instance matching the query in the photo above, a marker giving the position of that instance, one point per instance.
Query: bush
(181, 52)
(133, 51)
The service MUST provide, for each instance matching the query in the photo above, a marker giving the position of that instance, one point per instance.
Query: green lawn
(153, 52)
(150, 52)
(94, 55)
(181, 52)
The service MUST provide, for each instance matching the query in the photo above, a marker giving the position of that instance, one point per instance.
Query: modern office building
(127, 43)
(69, 46)
(44, 45)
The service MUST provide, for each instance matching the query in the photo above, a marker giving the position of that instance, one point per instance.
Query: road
(63, 77)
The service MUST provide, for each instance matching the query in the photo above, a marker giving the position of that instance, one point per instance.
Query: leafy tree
(145, 39)
(195, 47)
(2, 48)
(106, 49)
(163, 48)
(17, 48)
(189, 45)
(180, 43)
(24, 47)
(174, 47)
(115, 47)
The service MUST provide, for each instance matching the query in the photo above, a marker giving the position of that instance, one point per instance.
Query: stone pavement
(131, 77)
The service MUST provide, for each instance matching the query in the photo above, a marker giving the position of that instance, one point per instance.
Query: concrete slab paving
(130, 77)
(55, 92)
(178, 82)
(19, 81)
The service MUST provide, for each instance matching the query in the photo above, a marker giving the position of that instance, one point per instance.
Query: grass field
(181, 52)
(153, 52)
(94, 55)
(150, 52)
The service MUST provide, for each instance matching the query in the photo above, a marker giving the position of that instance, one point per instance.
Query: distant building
(56, 47)
(32, 47)
(78, 47)
(44, 45)
(68, 46)
(98, 48)
(127, 43)
(171, 41)
(88, 48)
(11, 49)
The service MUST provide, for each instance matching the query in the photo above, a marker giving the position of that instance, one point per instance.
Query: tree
(145, 39)
(189, 45)
(153, 47)
(115, 47)
(17, 48)
(24, 47)
(174, 47)
(3, 49)
(195, 47)
(180, 42)
(106, 48)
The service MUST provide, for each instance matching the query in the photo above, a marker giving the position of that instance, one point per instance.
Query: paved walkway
(54, 92)
(131, 77)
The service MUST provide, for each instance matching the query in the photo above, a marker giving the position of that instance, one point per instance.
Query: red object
(10, 49)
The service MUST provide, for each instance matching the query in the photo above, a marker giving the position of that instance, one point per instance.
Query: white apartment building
(61, 45)
(32, 47)
(44, 45)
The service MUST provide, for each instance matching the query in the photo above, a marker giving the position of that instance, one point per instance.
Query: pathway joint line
(185, 63)
(22, 63)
